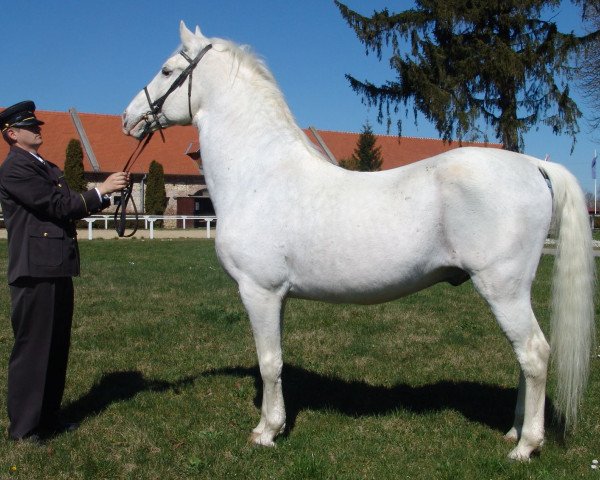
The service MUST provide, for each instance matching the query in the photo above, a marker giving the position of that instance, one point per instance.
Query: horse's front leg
(265, 311)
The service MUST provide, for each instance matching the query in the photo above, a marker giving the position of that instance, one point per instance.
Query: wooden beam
(84, 139)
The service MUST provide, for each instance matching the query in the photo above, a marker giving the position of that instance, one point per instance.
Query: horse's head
(169, 99)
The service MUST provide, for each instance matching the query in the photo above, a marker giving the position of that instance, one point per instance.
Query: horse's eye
(166, 72)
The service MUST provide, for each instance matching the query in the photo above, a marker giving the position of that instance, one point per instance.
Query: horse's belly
(355, 287)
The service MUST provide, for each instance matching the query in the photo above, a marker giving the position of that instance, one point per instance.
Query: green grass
(163, 379)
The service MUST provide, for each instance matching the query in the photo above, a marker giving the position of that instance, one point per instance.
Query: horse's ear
(187, 37)
(198, 32)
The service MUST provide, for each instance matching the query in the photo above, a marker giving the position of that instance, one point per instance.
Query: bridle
(151, 119)
(186, 74)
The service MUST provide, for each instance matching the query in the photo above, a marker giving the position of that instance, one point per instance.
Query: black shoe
(45, 432)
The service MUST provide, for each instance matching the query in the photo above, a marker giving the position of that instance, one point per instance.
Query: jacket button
(45, 234)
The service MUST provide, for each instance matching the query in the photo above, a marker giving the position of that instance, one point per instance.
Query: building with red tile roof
(111, 147)
(183, 175)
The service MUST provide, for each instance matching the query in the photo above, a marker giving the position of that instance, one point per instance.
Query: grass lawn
(163, 379)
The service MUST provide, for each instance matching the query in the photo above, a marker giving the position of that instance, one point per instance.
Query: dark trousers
(41, 314)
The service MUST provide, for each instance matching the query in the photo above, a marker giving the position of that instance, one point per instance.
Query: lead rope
(120, 216)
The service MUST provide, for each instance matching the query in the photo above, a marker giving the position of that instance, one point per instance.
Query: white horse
(292, 224)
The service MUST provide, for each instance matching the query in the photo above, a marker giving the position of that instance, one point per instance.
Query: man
(39, 213)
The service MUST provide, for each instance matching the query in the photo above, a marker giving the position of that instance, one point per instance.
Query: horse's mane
(263, 80)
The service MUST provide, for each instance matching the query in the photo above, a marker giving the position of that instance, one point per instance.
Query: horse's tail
(572, 326)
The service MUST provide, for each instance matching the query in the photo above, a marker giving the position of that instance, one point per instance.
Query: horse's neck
(246, 139)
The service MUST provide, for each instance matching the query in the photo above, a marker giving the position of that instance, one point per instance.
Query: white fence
(149, 222)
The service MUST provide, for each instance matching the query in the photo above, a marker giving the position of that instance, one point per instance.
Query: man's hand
(115, 182)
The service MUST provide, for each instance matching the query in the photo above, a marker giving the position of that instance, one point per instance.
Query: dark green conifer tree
(156, 195)
(461, 62)
(367, 155)
(589, 71)
(74, 172)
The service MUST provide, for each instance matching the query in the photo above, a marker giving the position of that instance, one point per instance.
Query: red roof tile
(112, 148)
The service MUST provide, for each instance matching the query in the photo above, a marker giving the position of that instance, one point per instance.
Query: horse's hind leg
(515, 432)
(265, 312)
(516, 319)
(520, 326)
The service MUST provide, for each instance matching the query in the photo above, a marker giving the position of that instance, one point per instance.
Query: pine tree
(589, 71)
(367, 155)
(461, 62)
(74, 172)
(156, 195)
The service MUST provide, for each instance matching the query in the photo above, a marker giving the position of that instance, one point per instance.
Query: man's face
(28, 138)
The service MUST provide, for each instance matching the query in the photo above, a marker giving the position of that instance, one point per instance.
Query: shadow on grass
(486, 404)
(489, 405)
(115, 387)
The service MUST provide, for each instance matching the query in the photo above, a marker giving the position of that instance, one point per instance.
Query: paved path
(159, 233)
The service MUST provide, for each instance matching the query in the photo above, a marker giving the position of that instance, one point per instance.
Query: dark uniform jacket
(39, 213)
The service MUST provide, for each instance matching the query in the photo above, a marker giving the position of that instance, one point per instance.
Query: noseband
(149, 117)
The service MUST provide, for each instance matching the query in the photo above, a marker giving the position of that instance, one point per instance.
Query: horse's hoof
(518, 455)
(523, 453)
(260, 439)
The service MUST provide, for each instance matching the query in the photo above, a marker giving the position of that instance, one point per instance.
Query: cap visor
(28, 123)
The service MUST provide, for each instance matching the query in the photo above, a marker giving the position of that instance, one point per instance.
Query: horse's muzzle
(138, 128)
